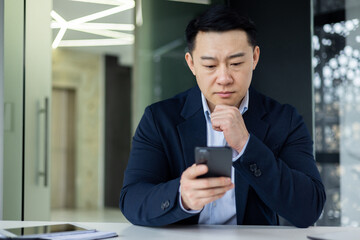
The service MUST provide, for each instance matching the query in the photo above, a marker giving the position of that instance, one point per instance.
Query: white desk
(198, 232)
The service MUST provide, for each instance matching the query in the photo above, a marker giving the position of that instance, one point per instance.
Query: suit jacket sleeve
(282, 170)
(150, 192)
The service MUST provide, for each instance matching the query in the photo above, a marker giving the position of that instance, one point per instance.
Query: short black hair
(219, 18)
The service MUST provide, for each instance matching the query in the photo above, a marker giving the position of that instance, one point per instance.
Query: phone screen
(44, 229)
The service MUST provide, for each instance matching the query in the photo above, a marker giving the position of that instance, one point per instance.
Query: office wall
(285, 39)
(285, 36)
(1, 101)
(160, 70)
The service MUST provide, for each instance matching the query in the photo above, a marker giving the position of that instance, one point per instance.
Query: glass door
(27, 81)
(92, 44)
(37, 110)
(13, 109)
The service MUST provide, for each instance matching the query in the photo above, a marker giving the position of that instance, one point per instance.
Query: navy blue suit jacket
(276, 175)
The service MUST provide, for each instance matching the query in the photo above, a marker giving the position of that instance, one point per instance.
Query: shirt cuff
(237, 155)
(182, 207)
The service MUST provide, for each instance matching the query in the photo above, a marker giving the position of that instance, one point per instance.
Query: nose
(224, 76)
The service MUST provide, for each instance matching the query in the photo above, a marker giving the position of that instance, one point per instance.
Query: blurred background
(76, 76)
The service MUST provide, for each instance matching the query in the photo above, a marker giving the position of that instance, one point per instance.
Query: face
(222, 63)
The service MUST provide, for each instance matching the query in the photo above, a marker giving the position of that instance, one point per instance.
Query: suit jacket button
(257, 173)
(165, 205)
(253, 167)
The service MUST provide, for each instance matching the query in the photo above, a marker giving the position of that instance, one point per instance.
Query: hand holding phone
(198, 190)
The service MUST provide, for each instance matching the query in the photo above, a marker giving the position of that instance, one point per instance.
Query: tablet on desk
(45, 230)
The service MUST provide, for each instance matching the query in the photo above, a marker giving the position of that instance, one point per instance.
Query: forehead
(228, 41)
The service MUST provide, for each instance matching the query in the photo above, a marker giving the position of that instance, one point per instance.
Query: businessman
(274, 172)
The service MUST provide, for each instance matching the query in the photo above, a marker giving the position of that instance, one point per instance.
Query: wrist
(243, 143)
(184, 205)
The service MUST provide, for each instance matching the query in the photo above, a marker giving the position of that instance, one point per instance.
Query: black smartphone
(218, 160)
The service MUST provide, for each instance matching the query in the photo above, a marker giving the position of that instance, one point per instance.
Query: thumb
(195, 170)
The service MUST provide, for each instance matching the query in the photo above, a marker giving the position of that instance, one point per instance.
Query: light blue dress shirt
(223, 210)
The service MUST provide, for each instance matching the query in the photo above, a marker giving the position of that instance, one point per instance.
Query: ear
(256, 56)
(190, 62)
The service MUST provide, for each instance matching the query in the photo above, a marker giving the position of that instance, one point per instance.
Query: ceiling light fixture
(107, 2)
(103, 29)
(102, 14)
(93, 42)
(108, 26)
(63, 27)
(193, 1)
(107, 33)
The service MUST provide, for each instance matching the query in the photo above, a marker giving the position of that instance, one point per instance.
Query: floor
(75, 215)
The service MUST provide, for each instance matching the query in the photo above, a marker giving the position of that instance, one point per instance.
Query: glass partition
(336, 62)
(86, 93)
(110, 60)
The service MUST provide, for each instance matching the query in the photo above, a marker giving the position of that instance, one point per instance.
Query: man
(274, 172)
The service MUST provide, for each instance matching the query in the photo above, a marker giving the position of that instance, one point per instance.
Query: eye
(236, 64)
(210, 66)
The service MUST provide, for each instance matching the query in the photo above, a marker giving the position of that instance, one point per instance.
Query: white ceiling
(74, 9)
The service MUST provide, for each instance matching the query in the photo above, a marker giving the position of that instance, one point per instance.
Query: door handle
(45, 111)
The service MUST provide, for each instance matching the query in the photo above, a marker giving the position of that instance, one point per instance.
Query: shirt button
(214, 204)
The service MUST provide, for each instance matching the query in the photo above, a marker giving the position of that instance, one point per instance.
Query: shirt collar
(242, 108)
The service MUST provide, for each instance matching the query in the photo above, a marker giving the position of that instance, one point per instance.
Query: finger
(224, 114)
(213, 182)
(216, 121)
(194, 171)
(224, 107)
(220, 107)
(213, 192)
(200, 198)
(209, 196)
(217, 129)
(199, 203)
(210, 184)
(217, 124)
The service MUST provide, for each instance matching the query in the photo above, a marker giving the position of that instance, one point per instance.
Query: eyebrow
(207, 58)
(240, 54)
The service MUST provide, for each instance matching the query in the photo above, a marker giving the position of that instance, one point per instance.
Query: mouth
(224, 94)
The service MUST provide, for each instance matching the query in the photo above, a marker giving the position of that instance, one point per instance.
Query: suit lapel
(192, 130)
(253, 117)
(255, 125)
